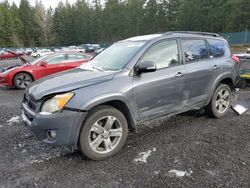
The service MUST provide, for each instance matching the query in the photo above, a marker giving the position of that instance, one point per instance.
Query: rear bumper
(66, 124)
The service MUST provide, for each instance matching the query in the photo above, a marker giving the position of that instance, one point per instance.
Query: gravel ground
(187, 150)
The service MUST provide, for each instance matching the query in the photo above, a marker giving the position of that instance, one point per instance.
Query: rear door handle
(179, 75)
(215, 67)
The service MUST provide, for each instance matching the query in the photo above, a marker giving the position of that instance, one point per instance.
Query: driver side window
(163, 54)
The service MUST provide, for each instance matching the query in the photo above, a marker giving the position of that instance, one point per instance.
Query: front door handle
(215, 67)
(179, 75)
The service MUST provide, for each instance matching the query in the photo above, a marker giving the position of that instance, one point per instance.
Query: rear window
(217, 48)
(194, 50)
(75, 57)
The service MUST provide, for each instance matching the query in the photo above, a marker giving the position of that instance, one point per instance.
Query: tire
(22, 80)
(220, 102)
(95, 141)
(38, 55)
(243, 84)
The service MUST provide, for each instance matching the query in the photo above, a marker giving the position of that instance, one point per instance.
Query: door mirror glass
(146, 66)
(43, 63)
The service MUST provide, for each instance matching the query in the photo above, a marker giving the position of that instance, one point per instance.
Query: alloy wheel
(23, 81)
(222, 101)
(105, 134)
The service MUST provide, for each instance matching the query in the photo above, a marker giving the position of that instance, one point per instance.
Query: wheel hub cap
(105, 134)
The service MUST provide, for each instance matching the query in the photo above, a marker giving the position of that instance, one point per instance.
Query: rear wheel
(22, 80)
(220, 102)
(243, 84)
(38, 55)
(104, 133)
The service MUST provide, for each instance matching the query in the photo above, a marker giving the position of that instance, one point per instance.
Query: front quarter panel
(120, 88)
(10, 76)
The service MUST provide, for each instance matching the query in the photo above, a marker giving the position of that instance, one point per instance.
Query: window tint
(56, 59)
(163, 54)
(216, 47)
(75, 57)
(194, 50)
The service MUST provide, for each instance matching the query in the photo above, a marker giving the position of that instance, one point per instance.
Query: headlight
(56, 103)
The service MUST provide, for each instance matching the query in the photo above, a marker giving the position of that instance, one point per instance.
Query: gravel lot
(187, 150)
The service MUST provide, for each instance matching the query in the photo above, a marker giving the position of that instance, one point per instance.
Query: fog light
(51, 134)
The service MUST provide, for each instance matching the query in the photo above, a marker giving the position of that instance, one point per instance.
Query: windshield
(116, 56)
(35, 61)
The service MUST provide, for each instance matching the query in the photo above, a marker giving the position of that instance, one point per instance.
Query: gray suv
(135, 80)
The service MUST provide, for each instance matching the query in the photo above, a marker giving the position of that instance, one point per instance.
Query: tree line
(89, 21)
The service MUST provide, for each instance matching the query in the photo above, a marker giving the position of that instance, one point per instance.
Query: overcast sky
(46, 3)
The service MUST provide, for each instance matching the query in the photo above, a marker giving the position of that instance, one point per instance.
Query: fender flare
(95, 101)
(216, 83)
(26, 72)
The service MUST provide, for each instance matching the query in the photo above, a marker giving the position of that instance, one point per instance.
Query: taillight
(236, 59)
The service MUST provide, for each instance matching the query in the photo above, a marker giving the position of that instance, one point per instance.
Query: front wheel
(220, 102)
(22, 80)
(104, 133)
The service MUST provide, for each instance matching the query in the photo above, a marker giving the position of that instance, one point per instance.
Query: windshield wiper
(97, 68)
(89, 67)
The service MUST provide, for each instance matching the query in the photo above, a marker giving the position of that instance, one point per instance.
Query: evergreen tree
(17, 25)
(6, 25)
(28, 28)
(89, 21)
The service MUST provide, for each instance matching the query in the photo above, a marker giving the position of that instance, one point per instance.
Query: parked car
(97, 51)
(96, 46)
(19, 51)
(40, 53)
(28, 51)
(243, 55)
(21, 76)
(88, 47)
(7, 55)
(135, 80)
(75, 49)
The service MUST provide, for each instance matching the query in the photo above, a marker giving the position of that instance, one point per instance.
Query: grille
(30, 103)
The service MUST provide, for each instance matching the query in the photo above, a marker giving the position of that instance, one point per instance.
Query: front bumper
(66, 124)
(4, 80)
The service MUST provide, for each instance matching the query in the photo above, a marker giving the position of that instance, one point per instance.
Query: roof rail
(194, 32)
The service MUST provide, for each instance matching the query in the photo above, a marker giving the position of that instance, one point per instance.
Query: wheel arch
(121, 106)
(119, 103)
(222, 80)
(26, 72)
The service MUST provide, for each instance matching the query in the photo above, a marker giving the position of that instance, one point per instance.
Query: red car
(7, 55)
(21, 76)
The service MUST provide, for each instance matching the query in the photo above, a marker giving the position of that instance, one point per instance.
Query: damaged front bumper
(60, 128)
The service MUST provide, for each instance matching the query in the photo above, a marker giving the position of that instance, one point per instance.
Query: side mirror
(43, 63)
(145, 66)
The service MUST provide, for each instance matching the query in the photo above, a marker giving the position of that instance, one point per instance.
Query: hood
(9, 68)
(67, 81)
(24, 60)
(12, 67)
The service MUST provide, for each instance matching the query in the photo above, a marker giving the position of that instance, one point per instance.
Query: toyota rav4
(135, 80)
